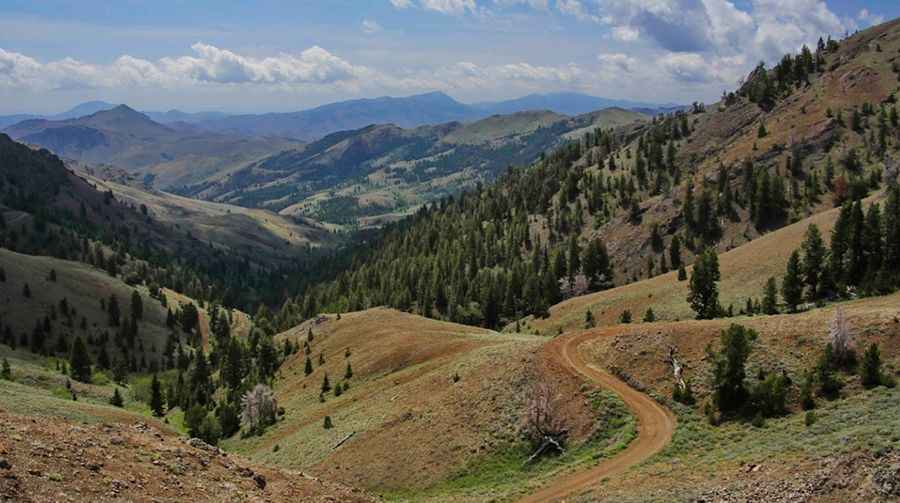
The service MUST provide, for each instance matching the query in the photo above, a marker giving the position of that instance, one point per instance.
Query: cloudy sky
(282, 55)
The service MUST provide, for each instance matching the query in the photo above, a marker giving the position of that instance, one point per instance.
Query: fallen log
(343, 440)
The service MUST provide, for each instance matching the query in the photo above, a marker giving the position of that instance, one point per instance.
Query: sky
(284, 55)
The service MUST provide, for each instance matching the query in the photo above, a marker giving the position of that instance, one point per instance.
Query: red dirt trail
(656, 424)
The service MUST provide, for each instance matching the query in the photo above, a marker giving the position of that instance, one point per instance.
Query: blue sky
(268, 55)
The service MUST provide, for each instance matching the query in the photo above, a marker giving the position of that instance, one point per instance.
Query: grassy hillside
(445, 402)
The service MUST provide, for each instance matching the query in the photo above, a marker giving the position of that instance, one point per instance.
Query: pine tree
(871, 367)
(156, 398)
(682, 273)
(137, 306)
(112, 309)
(328, 424)
(349, 372)
(80, 361)
(6, 370)
(675, 252)
(596, 265)
(813, 262)
(649, 316)
(770, 297)
(729, 391)
(574, 257)
(704, 289)
(326, 386)
(309, 368)
(116, 399)
(792, 286)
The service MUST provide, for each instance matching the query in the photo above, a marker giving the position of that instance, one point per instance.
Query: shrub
(769, 397)
(810, 418)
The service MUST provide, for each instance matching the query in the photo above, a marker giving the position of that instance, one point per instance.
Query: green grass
(865, 421)
(504, 473)
(38, 389)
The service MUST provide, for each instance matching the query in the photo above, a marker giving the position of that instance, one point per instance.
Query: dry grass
(414, 426)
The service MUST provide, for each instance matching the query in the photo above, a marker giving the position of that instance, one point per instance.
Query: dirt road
(655, 423)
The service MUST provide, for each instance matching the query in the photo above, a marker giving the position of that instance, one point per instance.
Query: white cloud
(617, 62)
(575, 8)
(866, 18)
(370, 26)
(452, 7)
(209, 65)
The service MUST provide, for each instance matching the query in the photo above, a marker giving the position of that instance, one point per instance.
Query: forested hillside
(614, 206)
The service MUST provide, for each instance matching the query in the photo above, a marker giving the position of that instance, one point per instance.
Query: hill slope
(383, 169)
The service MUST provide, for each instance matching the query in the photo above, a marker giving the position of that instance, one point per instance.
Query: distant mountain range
(126, 138)
(406, 112)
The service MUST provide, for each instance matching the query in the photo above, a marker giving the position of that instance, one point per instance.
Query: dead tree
(841, 339)
(544, 424)
(677, 368)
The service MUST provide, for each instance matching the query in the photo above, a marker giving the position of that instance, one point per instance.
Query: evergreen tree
(116, 399)
(80, 361)
(682, 273)
(156, 398)
(112, 309)
(871, 367)
(729, 391)
(770, 298)
(309, 368)
(813, 262)
(597, 267)
(137, 306)
(675, 252)
(328, 424)
(349, 372)
(326, 386)
(6, 370)
(200, 383)
(649, 316)
(704, 289)
(792, 286)
(574, 257)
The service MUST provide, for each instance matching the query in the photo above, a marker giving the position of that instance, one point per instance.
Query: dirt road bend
(655, 422)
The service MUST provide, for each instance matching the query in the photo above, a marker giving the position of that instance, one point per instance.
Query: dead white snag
(677, 368)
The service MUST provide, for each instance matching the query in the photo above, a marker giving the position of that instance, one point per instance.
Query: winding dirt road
(655, 422)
